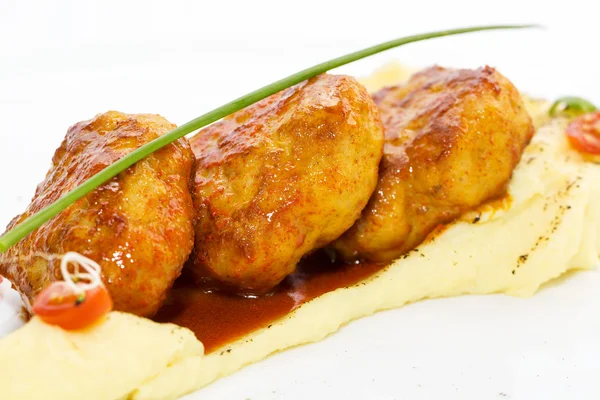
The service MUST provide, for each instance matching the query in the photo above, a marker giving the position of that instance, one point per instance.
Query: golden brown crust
(137, 226)
(453, 138)
(281, 178)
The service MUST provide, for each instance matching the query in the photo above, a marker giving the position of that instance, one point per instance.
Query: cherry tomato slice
(59, 305)
(584, 133)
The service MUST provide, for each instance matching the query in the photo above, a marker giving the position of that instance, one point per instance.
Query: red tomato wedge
(584, 133)
(60, 305)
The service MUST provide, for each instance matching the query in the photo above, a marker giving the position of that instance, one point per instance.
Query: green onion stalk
(18, 232)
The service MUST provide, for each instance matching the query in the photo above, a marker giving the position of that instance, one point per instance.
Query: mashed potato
(549, 228)
(107, 361)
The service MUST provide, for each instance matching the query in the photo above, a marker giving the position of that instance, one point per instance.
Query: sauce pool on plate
(218, 318)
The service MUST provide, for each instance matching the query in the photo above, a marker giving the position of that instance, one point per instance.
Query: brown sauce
(219, 318)
(499, 203)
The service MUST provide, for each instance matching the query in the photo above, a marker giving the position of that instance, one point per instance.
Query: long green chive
(571, 106)
(35, 221)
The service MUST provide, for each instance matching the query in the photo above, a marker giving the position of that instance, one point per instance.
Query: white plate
(64, 63)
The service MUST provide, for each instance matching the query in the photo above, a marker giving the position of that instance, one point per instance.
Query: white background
(65, 61)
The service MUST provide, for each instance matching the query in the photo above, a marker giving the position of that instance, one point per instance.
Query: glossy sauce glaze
(218, 318)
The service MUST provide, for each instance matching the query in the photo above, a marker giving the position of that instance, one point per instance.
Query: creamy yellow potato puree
(106, 361)
(550, 228)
